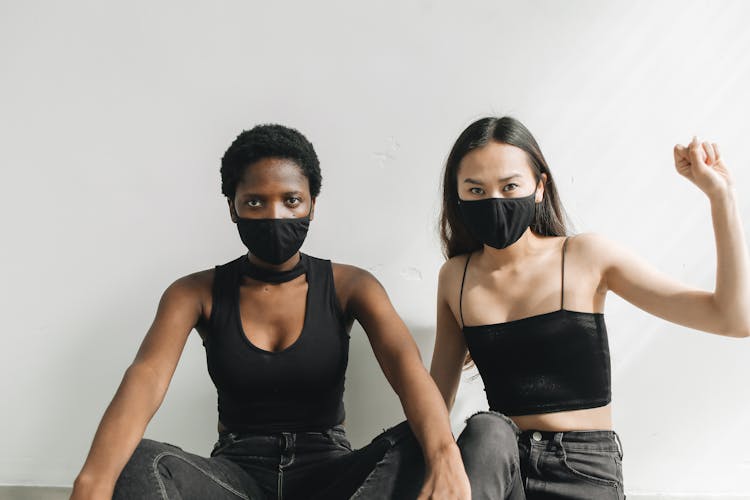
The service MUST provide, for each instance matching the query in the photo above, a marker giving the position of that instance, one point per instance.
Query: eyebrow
(469, 180)
(257, 195)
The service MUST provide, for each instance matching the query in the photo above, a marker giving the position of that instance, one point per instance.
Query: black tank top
(296, 389)
(544, 363)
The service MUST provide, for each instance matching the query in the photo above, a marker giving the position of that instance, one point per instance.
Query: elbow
(740, 331)
(742, 328)
(734, 322)
(147, 381)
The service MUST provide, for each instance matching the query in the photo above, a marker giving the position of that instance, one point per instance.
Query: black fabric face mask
(498, 222)
(273, 240)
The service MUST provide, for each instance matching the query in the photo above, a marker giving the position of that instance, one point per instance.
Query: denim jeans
(539, 465)
(286, 465)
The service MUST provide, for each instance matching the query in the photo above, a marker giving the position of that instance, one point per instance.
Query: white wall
(113, 117)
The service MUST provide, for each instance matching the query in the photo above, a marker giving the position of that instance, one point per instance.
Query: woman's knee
(147, 453)
(488, 424)
(489, 434)
(138, 477)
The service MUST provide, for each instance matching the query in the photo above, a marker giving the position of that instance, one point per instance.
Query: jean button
(536, 436)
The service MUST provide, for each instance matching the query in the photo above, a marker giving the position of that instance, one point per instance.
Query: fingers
(709, 150)
(681, 156)
(717, 155)
(696, 152)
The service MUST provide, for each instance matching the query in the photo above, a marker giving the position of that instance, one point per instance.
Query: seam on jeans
(586, 477)
(279, 483)
(243, 456)
(162, 487)
(516, 466)
(606, 451)
(368, 479)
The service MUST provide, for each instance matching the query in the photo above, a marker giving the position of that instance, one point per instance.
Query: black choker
(271, 275)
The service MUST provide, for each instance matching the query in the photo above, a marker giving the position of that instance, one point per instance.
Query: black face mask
(498, 222)
(273, 240)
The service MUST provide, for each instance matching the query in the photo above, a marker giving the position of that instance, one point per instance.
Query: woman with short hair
(275, 325)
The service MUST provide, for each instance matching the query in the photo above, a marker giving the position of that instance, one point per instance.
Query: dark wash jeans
(501, 461)
(286, 465)
(540, 465)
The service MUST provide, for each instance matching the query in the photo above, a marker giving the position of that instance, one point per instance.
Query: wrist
(86, 482)
(442, 451)
(722, 196)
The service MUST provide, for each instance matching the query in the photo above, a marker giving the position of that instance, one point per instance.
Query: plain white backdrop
(114, 115)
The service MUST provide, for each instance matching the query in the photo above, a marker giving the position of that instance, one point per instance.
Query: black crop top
(548, 362)
(299, 388)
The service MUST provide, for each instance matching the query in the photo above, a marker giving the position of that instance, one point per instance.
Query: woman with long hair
(524, 301)
(275, 324)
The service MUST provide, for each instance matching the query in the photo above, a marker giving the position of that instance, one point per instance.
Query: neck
(527, 245)
(275, 274)
(284, 266)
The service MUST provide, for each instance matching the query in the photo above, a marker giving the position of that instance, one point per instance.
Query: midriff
(574, 420)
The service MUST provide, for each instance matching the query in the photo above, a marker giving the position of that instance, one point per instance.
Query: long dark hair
(549, 219)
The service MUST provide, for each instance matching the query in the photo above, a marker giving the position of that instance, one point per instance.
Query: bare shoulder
(193, 282)
(348, 277)
(452, 271)
(358, 290)
(591, 247)
(192, 291)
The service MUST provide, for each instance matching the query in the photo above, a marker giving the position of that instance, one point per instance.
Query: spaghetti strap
(562, 274)
(461, 293)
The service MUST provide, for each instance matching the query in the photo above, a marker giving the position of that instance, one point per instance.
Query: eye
(512, 186)
(294, 201)
(476, 190)
(253, 203)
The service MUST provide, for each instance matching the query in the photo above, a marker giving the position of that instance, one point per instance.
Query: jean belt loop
(286, 440)
(619, 444)
(558, 443)
(558, 439)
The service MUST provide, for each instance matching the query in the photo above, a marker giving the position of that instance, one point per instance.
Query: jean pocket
(601, 468)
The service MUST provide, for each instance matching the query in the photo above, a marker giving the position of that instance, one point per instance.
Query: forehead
(273, 173)
(495, 159)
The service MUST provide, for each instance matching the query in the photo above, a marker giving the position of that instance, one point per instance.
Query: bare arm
(726, 310)
(450, 346)
(140, 393)
(399, 358)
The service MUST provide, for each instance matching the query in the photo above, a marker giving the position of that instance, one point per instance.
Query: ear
(540, 188)
(232, 211)
(312, 209)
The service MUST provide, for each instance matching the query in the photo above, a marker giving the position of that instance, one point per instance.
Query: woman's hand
(701, 164)
(445, 478)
